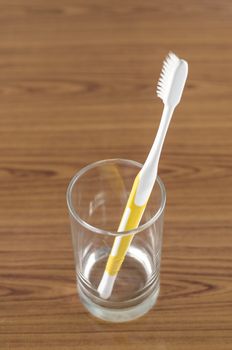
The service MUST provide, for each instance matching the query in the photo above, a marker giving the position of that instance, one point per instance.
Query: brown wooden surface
(77, 84)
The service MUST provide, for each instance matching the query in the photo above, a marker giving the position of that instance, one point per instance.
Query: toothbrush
(169, 88)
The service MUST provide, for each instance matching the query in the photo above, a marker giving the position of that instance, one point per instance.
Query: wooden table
(77, 84)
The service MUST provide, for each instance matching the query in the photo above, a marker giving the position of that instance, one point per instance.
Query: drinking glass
(96, 198)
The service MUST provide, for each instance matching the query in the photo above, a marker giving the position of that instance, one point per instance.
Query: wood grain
(77, 85)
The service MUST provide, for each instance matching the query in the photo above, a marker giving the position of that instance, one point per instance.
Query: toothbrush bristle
(168, 70)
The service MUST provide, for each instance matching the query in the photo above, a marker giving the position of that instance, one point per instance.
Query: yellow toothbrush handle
(130, 220)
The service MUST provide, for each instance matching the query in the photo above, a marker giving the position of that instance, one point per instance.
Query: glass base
(122, 314)
(133, 294)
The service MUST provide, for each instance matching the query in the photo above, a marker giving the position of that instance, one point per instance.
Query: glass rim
(98, 230)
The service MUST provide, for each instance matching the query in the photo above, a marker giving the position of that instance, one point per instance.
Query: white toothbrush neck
(154, 154)
(149, 170)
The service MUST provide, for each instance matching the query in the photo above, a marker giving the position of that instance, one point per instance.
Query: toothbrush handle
(135, 207)
(130, 220)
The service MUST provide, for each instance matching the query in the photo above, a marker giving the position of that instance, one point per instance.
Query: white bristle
(168, 70)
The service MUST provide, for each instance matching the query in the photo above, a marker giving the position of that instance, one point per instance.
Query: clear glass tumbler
(96, 199)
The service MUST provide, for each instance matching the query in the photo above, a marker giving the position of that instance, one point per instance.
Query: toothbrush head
(172, 80)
